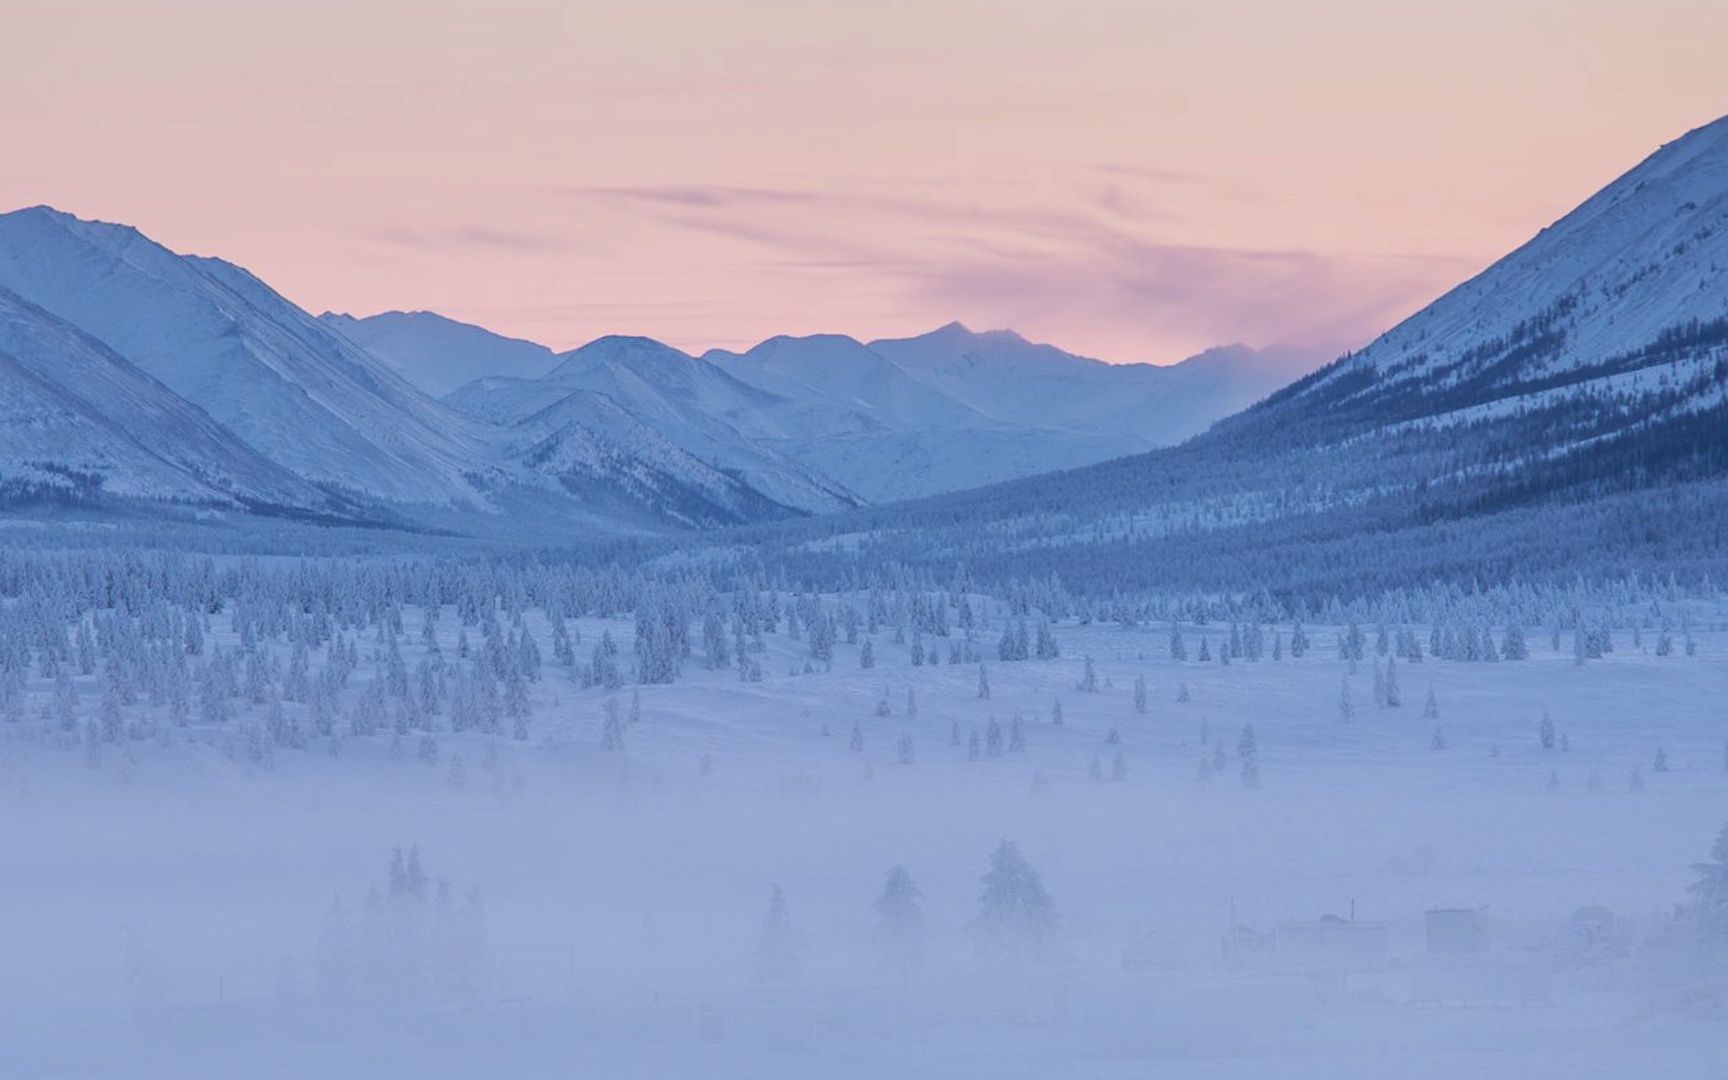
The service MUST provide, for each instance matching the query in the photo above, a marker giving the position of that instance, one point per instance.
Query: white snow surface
(166, 904)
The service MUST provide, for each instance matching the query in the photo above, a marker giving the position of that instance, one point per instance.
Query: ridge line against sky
(1131, 180)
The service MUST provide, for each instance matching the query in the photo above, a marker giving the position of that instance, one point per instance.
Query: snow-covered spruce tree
(1017, 922)
(1545, 732)
(1088, 678)
(983, 684)
(899, 931)
(1140, 694)
(1710, 893)
(776, 958)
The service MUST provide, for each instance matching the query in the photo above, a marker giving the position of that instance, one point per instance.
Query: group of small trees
(1017, 923)
(414, 941)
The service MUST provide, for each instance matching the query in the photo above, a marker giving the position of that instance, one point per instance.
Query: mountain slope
(955, 409)
(842, 372)
(85, 422)
(1565, 410)
(273, 375)
(1003, 376)
(437, 354)
(708, 414)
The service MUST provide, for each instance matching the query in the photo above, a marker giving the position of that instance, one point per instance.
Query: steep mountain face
(698, 408)
(296, 392)
(1559, 406)
(437, 354)
(610, 461)
(81, 421)
(1618, 311)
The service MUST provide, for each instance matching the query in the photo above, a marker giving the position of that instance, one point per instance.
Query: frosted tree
(1016, 736)
(1710, 890)
(1394, 698)
(1140, 694)
(903, 749)
(983, 684)
(867, 654)
(1119, 768)
(1017, 921)
(335, 960)
(1545, 732)
(1431, 707)
(776, 959)
(1250, 772)
(856, 743)
(1438, 742)
(1056, 712)
(1088, 678)
(899, 931)
(612, 727)
(1661, 764)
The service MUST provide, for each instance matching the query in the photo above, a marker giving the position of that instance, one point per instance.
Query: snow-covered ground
(163, 909)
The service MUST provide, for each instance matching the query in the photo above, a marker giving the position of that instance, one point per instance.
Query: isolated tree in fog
(1711, 891)
(1017, 921)
(899, 931)
(1140, 694)
(335, 957)
(777, 948)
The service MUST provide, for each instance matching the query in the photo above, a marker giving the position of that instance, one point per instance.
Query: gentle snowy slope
(438, 354)
(296, 392)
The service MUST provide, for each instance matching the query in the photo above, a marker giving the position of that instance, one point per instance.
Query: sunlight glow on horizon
(1130, 180)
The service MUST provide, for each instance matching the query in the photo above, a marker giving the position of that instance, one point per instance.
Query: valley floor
(165, 901)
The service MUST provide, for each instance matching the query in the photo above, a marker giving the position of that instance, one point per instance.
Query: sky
(1130, 179)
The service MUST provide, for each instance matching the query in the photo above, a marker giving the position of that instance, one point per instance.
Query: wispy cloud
(1096, 263)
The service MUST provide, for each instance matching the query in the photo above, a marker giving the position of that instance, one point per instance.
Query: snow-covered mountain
(78, 421)
(1564, 396)
(294, 390)
(956, 409)
(716, 419)
(137, 373)
(438, 354)
(1001, 375)
(1619, 309)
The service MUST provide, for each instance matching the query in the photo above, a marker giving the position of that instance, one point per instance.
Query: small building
(1456, 931)
(1330, 941)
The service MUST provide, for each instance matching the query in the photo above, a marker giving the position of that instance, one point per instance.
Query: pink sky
(1134, 179)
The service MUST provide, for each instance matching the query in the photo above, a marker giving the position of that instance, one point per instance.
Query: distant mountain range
(131, 375)
(1590, 364)
(867, 423)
